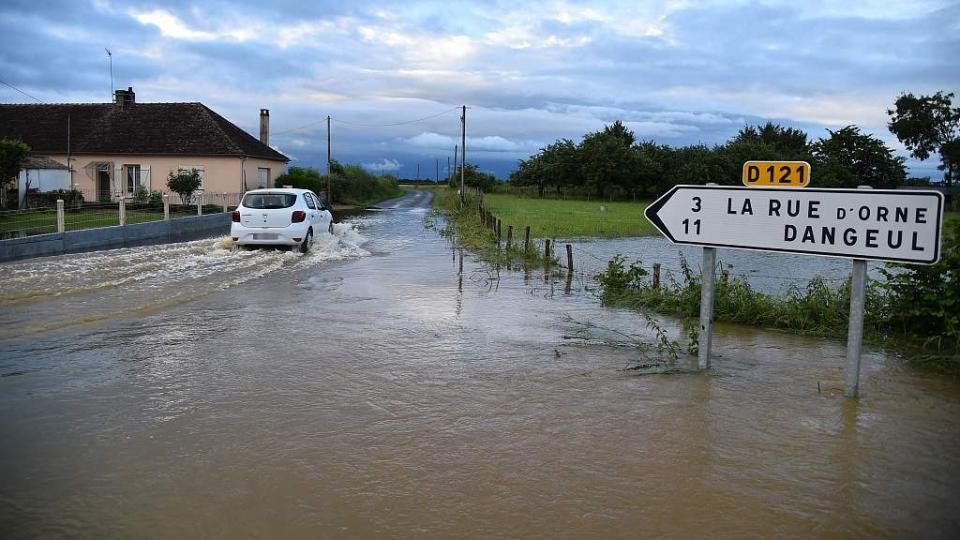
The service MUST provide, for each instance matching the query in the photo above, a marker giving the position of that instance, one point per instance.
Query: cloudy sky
(392, 74)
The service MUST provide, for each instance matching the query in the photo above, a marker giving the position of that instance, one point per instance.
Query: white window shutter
(118, 180)
(145, 176)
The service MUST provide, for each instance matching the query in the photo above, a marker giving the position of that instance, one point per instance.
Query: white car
(280, 217)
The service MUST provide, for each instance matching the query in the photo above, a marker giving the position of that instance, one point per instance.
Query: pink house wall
(221, 174)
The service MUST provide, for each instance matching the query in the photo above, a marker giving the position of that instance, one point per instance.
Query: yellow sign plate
(776, 174)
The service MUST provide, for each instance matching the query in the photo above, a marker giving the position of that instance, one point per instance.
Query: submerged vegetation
(916, 308)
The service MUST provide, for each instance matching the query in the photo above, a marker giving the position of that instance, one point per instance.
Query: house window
(263, 177)
(188, 168)
(133, 177)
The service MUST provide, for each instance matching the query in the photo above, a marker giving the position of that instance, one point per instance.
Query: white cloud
(488, 143)
(171, 26)
(386, 165)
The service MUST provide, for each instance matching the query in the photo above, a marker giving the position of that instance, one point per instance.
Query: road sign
(885, 225)
(776, 174)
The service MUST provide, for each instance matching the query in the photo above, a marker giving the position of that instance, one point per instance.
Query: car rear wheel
(307, 242)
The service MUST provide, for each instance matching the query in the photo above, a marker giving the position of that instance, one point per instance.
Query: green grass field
(552, 218)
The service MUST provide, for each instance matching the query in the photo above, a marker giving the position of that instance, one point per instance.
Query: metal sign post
(707, 284)
(858, 286)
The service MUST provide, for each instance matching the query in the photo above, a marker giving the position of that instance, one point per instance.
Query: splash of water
(61, 291)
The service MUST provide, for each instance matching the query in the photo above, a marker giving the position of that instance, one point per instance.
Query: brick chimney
(265, 126)
(124, 98)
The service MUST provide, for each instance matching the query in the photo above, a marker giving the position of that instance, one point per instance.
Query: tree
(606, 159)
(848, 158)
(472, 177)
(786, 142)
(13, 152)
(927, 125)
(184, 183)
(304, 178)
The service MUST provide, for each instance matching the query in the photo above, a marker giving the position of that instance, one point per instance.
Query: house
(111, 149)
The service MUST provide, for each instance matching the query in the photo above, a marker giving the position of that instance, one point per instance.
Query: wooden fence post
(509, 236)
(526, 239)
(569, 258)
(656, 275)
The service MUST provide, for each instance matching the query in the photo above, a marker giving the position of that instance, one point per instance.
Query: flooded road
(370, 389)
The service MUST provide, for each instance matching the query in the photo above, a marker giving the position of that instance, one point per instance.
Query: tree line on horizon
(611, 163)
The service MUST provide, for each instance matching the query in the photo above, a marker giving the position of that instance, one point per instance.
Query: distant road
(416, 199)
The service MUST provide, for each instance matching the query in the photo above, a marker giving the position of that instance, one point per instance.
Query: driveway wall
(154, 232)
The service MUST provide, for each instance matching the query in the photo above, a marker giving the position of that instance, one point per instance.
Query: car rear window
(263, 201)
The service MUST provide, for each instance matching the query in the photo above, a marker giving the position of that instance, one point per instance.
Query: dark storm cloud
(531, 73)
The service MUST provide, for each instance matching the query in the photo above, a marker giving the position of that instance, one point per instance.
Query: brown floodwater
(371, 389)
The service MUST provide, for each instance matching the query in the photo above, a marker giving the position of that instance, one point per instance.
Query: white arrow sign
(886, 225)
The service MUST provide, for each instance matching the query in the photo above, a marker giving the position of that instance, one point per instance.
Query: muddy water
(372, 390)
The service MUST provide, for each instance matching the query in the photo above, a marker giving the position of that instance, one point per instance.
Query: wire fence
(43, 220)
(770, 273)
(19, 223)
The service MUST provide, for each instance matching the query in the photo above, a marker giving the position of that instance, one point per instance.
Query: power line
(397, 123)
(22, 92)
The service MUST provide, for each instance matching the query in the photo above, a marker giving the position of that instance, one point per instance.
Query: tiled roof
(42, 162)
(140, 128)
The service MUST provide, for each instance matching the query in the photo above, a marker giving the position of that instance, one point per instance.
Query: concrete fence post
(225, 210)
(61, 226)
(123, 211)
(200, 204)
(166, 207)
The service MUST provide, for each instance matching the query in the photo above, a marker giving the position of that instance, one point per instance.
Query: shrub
(141, 195)
(924, 301)
(184, 183)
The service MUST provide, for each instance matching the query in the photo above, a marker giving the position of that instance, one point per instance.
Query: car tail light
(298, 216)
(236, 216)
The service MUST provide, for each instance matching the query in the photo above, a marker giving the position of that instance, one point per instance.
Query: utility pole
(453, 175)
(463, 144)
(449, 174)
(329, 179)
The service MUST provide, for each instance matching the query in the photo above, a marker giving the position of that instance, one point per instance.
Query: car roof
(279, 190)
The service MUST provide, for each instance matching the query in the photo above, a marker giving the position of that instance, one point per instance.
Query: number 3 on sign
(776, 173)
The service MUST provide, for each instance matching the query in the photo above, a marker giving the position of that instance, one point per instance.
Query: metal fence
(20, 223)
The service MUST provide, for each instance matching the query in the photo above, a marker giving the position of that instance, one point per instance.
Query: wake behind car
(280, 217)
